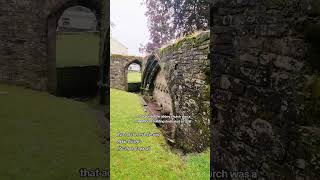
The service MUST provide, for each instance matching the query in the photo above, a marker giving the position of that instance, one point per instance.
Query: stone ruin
(264, 59)
(265, 99)
(119, 70)
(176, 78)
(28, 45)
(28, 41)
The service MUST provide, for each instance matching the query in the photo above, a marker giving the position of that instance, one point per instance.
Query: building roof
(117, 47)
(115, 40)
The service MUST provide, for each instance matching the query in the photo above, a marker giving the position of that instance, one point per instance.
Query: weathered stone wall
(161, 93)
(104, 77)
(27, 40)
(265, 65)
(185, 67)
(119, 70)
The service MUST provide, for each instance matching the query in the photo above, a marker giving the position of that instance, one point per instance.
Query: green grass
(45, 137)
(159, 162)
(77, 49)
(134, 77)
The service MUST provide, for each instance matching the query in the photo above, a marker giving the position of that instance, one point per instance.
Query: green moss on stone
(207, 92)
(185, 147)
(191, 40)
(125, 57)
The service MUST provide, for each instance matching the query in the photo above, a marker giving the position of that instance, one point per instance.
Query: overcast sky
(131, 27)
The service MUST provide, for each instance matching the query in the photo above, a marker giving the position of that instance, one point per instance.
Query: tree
(169, 19)
(160, 27)
(190, 15)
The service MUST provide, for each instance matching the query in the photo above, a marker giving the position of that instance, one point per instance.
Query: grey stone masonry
(265, 97)
(184, 76)
(28, 39)
(119, 70)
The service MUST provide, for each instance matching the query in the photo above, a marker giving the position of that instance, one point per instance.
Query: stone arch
(118, 70)
(27, 58)
(155, 84)
(52, 21)
(134, 61)
(152, 68)
(94, 5)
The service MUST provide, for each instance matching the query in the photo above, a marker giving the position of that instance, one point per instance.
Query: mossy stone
(192, 40)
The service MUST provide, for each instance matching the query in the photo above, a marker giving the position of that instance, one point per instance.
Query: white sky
(131, 27)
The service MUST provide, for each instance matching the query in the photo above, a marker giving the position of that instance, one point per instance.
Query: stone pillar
(104, 84)
(51, 52)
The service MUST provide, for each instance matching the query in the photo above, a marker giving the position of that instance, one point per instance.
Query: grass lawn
(77, 49)
(134, 77)
(158, 163)
(45, 137)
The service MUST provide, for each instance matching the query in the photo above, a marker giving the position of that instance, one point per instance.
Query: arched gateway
(28, 46)
(119, 70)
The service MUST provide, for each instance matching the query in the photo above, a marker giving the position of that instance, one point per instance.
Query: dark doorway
(77, 53)
(134, 76)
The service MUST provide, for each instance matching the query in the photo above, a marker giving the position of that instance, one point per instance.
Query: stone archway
(150, 72)
(137, 85)
(53, 18)
(118, 70)
(28, 45)
(155, 84)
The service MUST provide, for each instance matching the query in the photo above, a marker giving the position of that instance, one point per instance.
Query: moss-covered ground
(45, 137)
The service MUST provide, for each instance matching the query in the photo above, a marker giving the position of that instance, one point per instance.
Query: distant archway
(119, 70)
(133, 75)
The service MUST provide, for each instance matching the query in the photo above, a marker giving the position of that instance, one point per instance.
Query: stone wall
(161, 93)
(265, 66)
(104, 77)
(183, 75)
(27, 40)
(119, 70)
